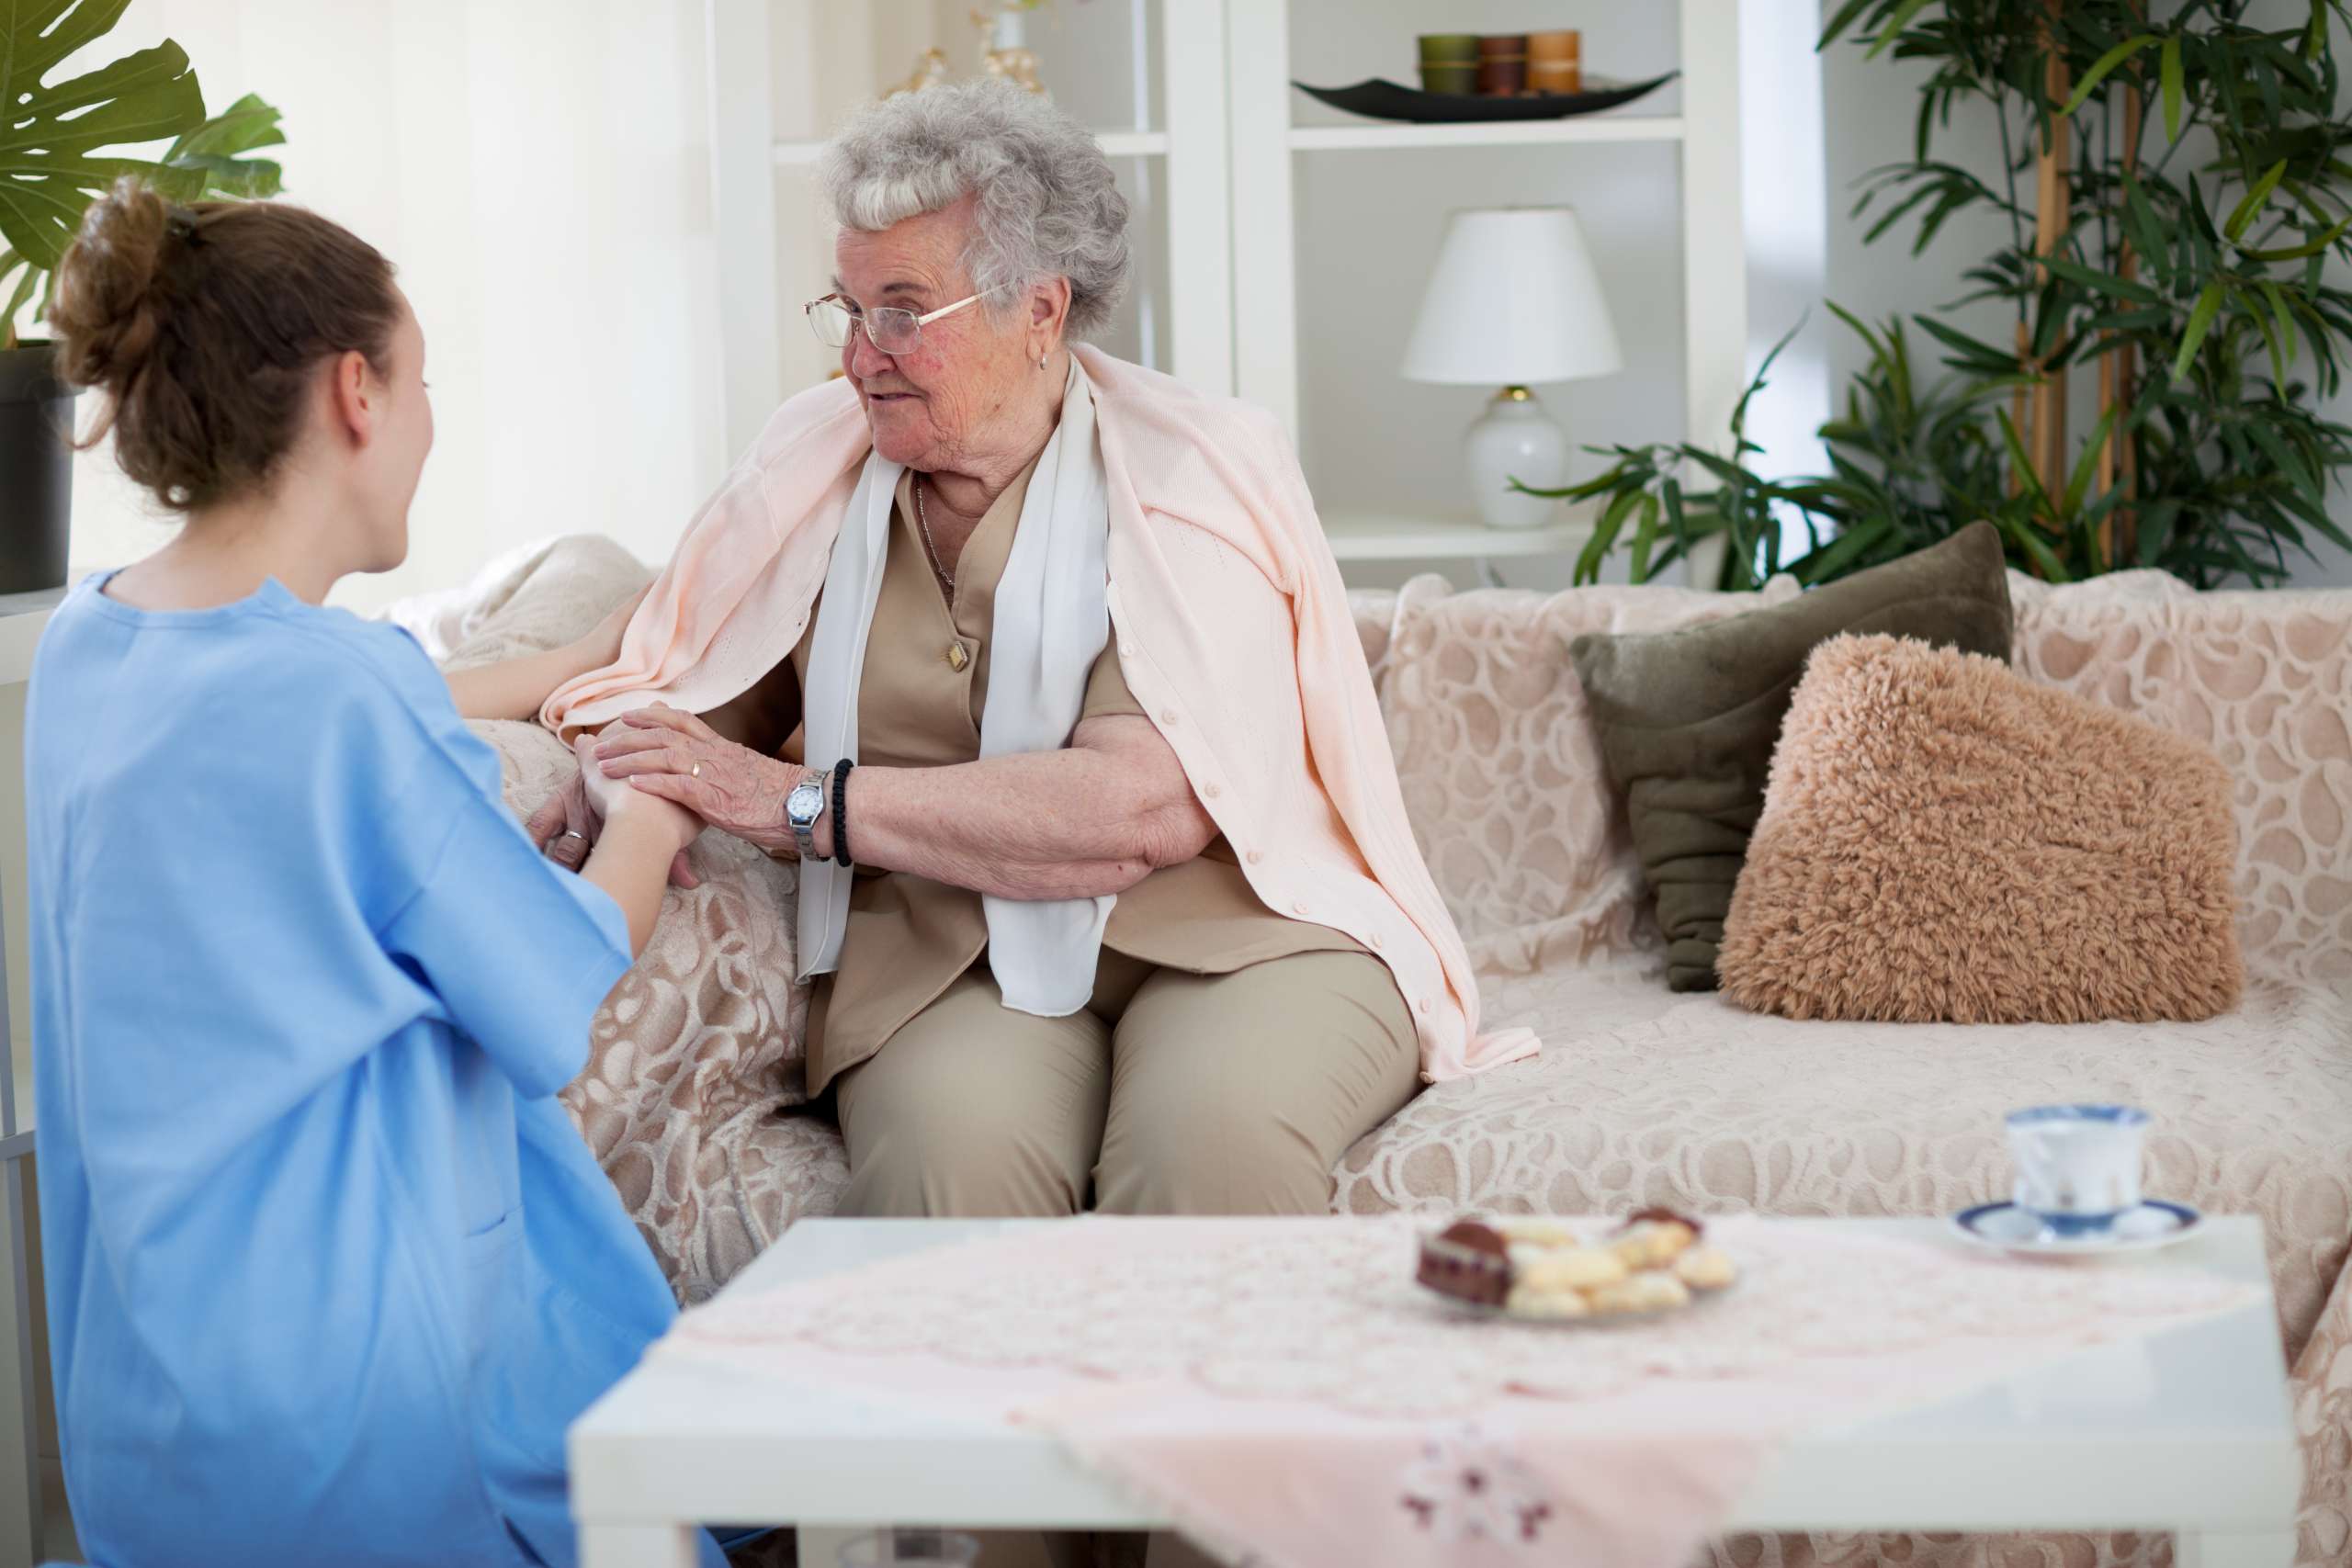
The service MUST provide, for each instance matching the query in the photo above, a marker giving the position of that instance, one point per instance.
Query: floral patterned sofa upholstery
(1641, 1096)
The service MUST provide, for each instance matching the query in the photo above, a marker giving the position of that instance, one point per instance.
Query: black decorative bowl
(1383, 100)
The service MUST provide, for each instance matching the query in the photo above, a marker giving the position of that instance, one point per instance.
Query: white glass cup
(2076, 1167)
(911, 1548)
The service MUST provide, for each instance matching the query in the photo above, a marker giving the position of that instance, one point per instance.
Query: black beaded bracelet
(841, 811)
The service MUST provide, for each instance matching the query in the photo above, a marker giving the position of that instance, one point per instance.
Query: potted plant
(2174, 186)
(52, 143)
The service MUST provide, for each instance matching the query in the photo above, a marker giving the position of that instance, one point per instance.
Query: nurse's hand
(673, 755)
(644, 837)
(568, 824)
(610, 798)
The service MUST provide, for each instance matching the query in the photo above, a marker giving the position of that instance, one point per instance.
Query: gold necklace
(922, 521)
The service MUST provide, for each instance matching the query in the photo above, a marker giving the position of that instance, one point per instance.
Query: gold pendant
(957, 658)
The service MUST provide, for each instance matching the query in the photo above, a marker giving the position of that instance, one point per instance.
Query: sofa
(1641, 1096)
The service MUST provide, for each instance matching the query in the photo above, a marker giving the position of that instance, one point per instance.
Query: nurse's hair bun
(104, 311)
(203, 326)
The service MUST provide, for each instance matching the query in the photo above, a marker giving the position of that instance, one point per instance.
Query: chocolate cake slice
(1468, 1261)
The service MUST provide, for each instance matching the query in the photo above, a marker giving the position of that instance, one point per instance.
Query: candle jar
(1502, 65)
(1449, 62)
(1556, 61)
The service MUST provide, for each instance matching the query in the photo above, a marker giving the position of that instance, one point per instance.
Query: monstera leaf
(50, 169)
(51, 136)
(212, 150)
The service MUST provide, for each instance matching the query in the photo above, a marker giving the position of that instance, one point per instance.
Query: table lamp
(1513, 299)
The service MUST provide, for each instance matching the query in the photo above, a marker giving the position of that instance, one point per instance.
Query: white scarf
(1051, 620)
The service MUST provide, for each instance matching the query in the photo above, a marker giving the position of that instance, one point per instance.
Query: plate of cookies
(1546, 1270)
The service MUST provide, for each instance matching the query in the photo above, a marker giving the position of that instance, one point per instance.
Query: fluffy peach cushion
(1944, 839)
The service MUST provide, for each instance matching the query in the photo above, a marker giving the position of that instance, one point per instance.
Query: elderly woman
(1040, 664)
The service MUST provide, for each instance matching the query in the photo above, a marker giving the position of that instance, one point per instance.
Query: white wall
(537, 170)
(1786, 215)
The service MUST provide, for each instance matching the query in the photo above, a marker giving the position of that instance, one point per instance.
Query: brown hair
(203, 324)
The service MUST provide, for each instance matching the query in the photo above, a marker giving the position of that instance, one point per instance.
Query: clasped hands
(668, 754)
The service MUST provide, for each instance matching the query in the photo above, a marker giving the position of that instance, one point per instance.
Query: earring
(1041, 360)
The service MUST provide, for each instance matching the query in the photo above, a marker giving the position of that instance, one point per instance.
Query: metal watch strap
(841, 811)
(804, 834)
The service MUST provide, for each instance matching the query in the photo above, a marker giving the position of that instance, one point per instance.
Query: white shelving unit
(1375, 537)
(1529, 134)
(1265, 229)
(1225, 155)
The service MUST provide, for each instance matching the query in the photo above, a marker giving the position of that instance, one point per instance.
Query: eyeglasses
(891, 328)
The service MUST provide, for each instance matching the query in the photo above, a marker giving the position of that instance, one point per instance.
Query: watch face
(806, 803)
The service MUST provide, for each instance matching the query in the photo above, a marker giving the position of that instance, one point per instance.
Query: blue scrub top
(329, 1270)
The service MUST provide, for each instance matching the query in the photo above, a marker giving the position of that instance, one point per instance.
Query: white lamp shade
(1513, 299)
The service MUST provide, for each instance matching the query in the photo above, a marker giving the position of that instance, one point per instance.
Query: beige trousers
(1171, 1093)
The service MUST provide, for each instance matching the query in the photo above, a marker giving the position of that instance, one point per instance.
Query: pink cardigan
(1234, 633)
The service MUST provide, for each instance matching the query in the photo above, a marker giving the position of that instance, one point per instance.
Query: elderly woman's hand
(569, 822)
(670, 754)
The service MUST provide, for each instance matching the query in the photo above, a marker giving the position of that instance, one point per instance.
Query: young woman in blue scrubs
(329, 1271)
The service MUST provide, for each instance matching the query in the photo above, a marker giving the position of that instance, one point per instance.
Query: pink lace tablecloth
(1283, 1391)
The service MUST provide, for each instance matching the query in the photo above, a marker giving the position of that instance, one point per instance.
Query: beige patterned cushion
(527, 601)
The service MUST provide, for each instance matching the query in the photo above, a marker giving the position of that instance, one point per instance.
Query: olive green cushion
(1688, 718)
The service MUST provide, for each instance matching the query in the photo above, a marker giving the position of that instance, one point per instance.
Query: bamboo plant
(2173, 187)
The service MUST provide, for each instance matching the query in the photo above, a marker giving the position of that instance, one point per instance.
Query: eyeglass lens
(891, 329)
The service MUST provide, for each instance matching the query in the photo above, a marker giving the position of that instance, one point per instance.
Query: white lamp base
(1515, 439)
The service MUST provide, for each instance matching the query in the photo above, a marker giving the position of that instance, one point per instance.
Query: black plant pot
(36, 468)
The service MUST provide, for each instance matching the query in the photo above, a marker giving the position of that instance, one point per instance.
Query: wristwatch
(801, 808)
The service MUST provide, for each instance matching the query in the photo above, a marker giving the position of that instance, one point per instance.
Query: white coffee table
(2188, 1431)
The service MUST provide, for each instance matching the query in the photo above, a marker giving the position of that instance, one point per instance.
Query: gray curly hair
(1047, 204)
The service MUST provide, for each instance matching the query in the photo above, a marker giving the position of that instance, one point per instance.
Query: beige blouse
(920, 701)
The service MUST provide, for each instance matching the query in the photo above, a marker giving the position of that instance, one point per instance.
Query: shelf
(23, 617)
(1132, 143)
(1360, 537)
(1504, 133)
(1116, 145)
